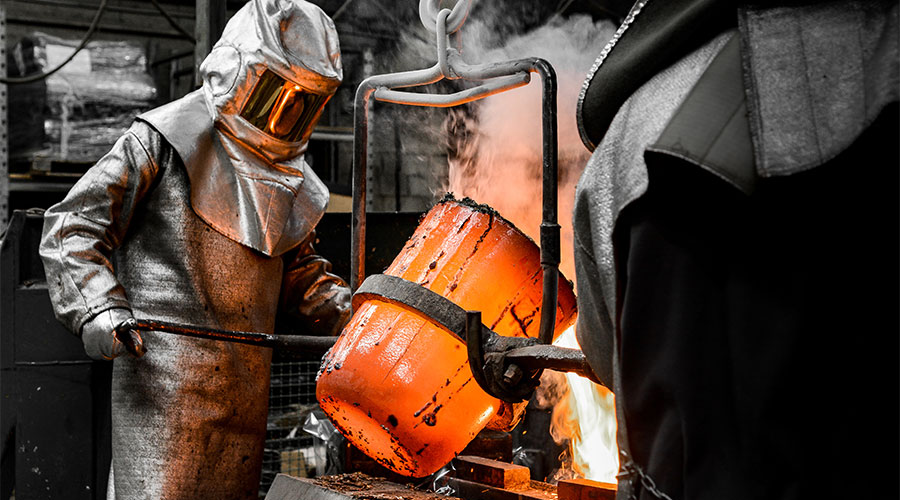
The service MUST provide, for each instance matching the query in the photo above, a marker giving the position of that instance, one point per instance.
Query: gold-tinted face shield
(283, 109)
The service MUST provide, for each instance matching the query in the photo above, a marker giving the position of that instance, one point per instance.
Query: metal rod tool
(292, 343)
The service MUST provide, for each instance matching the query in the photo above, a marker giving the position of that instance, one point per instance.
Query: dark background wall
(408, 151)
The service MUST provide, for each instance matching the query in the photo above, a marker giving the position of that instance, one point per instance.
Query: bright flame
(587, 415)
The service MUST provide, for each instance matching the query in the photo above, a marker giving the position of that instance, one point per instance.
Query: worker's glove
(316, 300)
(111, 334)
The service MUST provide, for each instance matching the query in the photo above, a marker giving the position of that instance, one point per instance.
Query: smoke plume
(495, 145)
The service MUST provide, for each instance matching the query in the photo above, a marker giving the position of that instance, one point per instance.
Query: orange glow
(587, 416)
(286, 111)
(400, 388)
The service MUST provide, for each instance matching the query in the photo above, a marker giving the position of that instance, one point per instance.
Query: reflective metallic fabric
(248, 185)
(268, 208)
(189, 417)
(211, 224)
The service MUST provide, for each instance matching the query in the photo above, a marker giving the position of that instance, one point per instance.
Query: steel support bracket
(479, 339)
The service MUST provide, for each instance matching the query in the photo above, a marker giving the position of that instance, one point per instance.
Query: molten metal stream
(399, 387)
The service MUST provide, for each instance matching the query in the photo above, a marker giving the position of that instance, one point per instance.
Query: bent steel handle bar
(517, 73)
(495, 77)
(551, 357)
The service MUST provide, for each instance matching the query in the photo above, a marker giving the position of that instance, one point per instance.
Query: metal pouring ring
(439, 309)
(428, 11)
(445, 313)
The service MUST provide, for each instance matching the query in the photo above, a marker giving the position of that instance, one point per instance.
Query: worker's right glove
(109, 335)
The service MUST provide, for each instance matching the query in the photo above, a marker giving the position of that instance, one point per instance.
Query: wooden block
(585, 489)
(492, 472)
(491, 444)
(470, 490)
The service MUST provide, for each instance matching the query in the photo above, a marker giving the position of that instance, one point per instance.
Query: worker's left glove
(316, 299)
(111, 334)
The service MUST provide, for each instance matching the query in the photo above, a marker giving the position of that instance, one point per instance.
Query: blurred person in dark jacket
(737, 248)
(203, 213)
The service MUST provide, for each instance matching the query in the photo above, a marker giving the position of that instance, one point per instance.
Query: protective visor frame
(283, 109)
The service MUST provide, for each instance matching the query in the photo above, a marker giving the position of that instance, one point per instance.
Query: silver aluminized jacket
(204, 229)
(189, 417)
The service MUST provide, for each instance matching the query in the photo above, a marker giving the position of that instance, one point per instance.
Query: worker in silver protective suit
(209, 207)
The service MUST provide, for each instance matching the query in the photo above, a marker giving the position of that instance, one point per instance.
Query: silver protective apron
(189, 417)
(211, 223)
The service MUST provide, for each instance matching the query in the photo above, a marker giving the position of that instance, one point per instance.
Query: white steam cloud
(498, 161)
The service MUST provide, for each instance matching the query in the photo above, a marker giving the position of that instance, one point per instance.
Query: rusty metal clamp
(495, 78)
(519, 360)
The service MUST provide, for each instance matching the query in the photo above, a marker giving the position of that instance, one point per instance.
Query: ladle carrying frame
(496, 77)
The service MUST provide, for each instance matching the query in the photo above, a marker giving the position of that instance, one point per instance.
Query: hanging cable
(172, 22)
(563, 5)
(340, 10)
(84, 41)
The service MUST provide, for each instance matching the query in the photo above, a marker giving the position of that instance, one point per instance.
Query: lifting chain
(626, 23)
(631, 471)
(428, 14)
(443, 23)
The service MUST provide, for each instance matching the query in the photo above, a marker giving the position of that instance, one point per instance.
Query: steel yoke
(495, 78)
